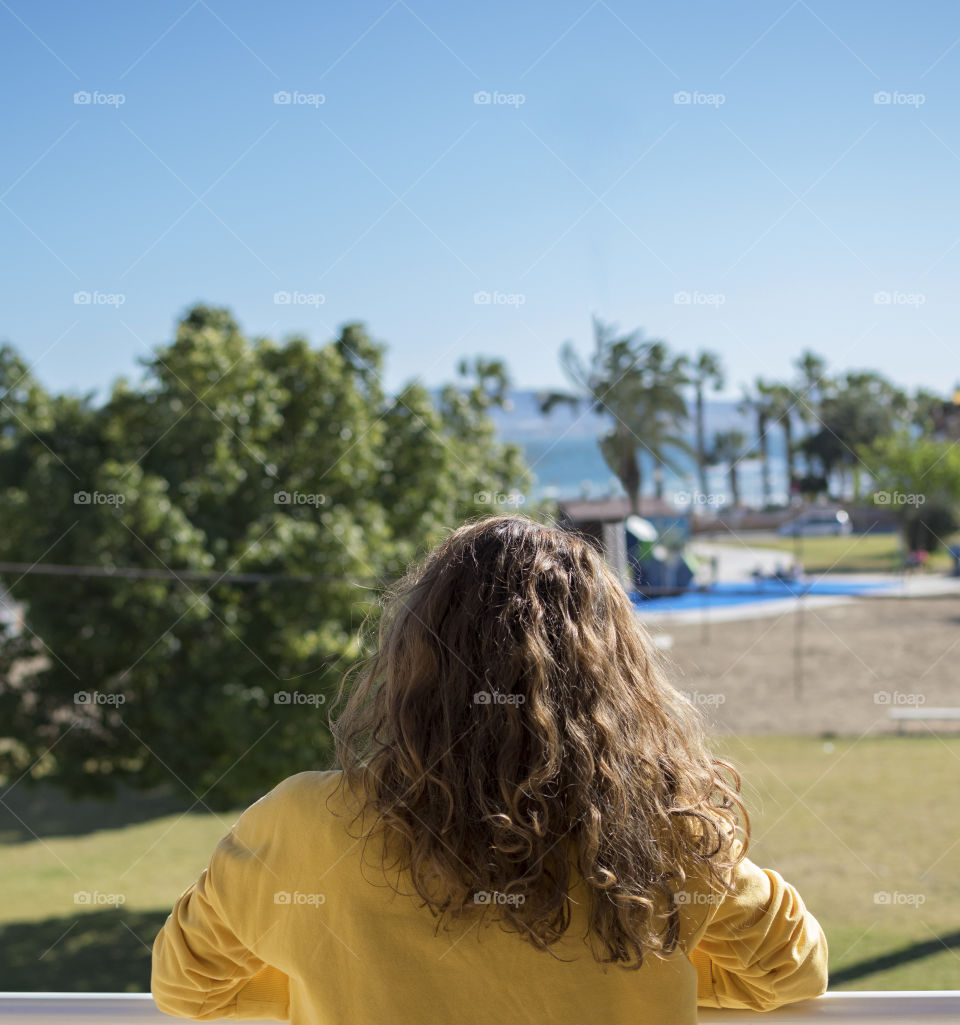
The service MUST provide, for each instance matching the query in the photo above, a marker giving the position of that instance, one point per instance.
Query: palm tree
(812, 386)
(758, 403)
(728, 449)
(662, 410)
(783, 402)
(862, 405)
(813, 377)
(639, 384)
(707, 370)
(653, 433)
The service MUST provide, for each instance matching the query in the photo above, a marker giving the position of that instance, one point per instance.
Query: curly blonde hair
(515, 723)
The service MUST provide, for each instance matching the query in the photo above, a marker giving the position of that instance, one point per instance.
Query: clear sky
(780, 200)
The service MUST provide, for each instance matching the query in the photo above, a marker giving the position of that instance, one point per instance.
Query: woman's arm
(203, 964)
(761, 947)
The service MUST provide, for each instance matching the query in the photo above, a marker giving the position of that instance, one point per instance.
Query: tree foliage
(231, 460)
(639, 384)
(707, 370)
(919, 478)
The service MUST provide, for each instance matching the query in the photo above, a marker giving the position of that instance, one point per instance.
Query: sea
(563, 452)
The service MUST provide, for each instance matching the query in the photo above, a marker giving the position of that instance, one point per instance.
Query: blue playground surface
(722, 595)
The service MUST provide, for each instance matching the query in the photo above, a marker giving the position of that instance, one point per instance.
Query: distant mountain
(523, 421)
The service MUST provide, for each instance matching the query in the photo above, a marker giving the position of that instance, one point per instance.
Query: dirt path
(857, 660)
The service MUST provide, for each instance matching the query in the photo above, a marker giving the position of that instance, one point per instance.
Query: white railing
(882, 1008)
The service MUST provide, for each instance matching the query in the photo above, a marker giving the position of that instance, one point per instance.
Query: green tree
(811, 382)
(727, 450)
(919, 479)
(782, 409)
(663, 413)
(758, 402)
(858, 407)
(926, 410)
(241, 506)
(640, 385)
(707, 371)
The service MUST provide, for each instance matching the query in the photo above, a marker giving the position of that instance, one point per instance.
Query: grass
(145, 850)
(842, 819)
(854, 553)
(846, 820)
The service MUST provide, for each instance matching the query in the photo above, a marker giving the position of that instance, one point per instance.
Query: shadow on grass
(103, 951)
(109, 952)
(31, 810)
(914, 952)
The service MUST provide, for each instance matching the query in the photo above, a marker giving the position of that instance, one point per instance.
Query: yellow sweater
(287, 923)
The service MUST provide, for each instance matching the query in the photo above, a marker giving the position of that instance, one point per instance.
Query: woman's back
(290, 888)
(524, 820)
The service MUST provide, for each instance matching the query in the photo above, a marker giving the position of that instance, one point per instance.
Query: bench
(903, 715)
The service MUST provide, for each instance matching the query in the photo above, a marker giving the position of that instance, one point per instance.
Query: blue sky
(782, 201)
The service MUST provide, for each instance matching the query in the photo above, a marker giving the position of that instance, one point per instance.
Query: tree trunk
(764, 457)
(788, 441)
(630, 476)
(735, 485)
(701, 444)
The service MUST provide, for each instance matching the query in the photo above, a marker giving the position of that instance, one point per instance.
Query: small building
(602, 520)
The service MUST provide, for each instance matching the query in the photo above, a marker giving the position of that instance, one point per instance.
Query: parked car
(819, 523)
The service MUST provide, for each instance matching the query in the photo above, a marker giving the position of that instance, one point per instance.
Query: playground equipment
(656, 571)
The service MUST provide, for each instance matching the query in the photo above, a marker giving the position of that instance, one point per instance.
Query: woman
(525, 825)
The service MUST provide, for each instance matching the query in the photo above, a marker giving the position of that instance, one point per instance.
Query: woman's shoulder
(314, 808)
(311, 795)
(303, 784)
(302, 790)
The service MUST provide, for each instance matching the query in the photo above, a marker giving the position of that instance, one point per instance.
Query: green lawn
(855, 553)
(847, 820)
(145, 848)
(843, 820)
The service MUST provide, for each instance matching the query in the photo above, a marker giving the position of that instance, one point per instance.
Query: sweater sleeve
(760, 948)
(204, 964)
